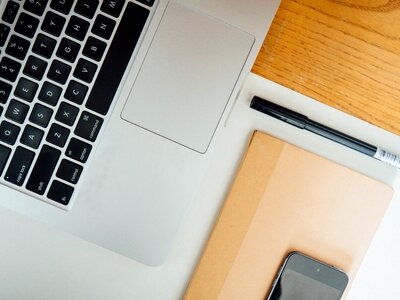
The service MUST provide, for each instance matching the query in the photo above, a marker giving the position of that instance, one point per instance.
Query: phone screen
(304, 278)
(296, 286)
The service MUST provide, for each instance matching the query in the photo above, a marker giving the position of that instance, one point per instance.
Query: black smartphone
(304, 278)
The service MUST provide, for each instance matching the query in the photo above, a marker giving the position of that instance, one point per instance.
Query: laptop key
(63, 6)
(9, 69)
(60, 192)
(5, 90)
(88, 126)
(4, 31)
(77, 28)
(40, 115)
(113, 7)
(76, 92)
(36, 6)
(17, 47)
(86, 8)
(147, 2)
(53, 23)
(103, 27)
(117, 58)
(50, 93)
(26, 89)
(35, 67)
(4, 155)
(67, 113)
(44, 45)
(8, 133)
(43, 169)
(10, 12)
(69, 171)
(57, 135)
(19, 166)
(94, 48)
(26, 25)
(78, 150)
(31, 136)
(17, 111)
(59, 72)
(68, 50)
(85, 70)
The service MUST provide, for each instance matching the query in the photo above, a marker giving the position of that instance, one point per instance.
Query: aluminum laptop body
(122, 172)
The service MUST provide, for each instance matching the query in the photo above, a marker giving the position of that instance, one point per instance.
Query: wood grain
(344, 53)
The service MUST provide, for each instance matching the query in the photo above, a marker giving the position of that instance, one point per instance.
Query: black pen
(302, 122)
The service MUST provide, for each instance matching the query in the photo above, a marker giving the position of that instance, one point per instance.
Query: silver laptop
(109, 110)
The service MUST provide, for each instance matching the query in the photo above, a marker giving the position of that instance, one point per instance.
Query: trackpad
(187, 77)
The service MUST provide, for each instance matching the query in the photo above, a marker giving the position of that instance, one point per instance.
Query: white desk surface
(36, 262)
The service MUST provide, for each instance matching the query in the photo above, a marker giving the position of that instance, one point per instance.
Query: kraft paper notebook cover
(286, 199)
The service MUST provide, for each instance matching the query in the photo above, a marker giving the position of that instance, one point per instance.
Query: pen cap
(279, 112)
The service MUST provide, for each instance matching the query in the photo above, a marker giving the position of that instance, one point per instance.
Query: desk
(343, 53)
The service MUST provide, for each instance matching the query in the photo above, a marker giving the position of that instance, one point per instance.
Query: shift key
(19, 166)
(43, 170)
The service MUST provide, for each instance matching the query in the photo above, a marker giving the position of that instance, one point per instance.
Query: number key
(9, 69)
(10, 12)
(17, 47)
(4, 31)
(5, 90)
(26, 25)
(36, 6)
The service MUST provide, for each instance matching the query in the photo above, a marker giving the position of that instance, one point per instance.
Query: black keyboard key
(78, 150)
(53, 23)
(113, 7)
(88, 126)
(59, 72)
(31, 136)
(147, 2)
(43, 169)
(4, 31)
(63, 6)
(5, 90)
(76, 92)
(9, 69)
(85, 70)
(40, 115)
(86, 8)
(36, 6)
(57, 135)
(1, 110)
(117, 58)
(44, 45)
(69, 171)
(10, 12)
(17, 111)
(67, 114)
(19, 166)
(68, 50)
(17, 47)
(50, 93)
(8, 133)
(26, 89)
(94, 48)
(26, 25)
(103, 26)
(35, 67)
(4, 155)
(77, 28)
(60, 192)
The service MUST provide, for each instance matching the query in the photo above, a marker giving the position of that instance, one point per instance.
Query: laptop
(109, 110)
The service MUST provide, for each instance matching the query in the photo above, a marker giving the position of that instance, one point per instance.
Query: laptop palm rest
(187, 77)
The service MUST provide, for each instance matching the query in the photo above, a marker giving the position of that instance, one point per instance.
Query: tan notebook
(286, 199)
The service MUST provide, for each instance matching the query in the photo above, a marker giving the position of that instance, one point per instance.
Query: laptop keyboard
(61, 63)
